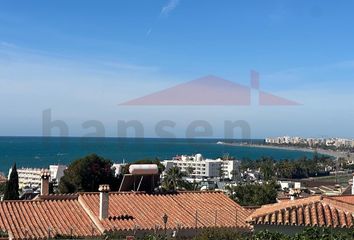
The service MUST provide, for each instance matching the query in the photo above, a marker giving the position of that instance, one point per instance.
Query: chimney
(294, 193)
(104, 200)
(45, 175)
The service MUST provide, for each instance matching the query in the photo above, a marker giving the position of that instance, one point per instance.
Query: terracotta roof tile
(77, 215)
(312, 211)
(344, 198)
(38, 219)
(187, 210)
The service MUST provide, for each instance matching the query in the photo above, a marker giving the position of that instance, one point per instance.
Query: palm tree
(190, 171)
(174, 179)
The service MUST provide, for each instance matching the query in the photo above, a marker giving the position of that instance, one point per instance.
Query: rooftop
(312, 211)
(39, 219)
(209, 209)
(78, 214)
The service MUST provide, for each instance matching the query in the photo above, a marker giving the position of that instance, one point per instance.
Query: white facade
(57, 172)
(31, 177)
(289, 185)
(203, 168)
(336, 142)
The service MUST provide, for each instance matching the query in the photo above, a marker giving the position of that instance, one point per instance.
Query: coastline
(331, 153)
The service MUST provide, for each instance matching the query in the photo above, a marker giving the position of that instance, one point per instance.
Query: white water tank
(143, 169)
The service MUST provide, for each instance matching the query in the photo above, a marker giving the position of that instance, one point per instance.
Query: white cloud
(169, 7)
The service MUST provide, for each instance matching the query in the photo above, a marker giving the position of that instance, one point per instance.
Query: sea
(38, 152)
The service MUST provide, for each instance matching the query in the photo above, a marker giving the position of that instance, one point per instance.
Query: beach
(336, 154)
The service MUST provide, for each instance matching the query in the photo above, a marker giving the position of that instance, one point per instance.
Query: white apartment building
(289, 185)
(57, 172)
(31, 177)
(335, 142)
(204, 168)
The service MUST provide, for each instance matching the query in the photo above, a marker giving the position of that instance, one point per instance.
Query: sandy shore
(335, 154)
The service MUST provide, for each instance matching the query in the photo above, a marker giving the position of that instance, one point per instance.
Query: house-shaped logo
(211, 90)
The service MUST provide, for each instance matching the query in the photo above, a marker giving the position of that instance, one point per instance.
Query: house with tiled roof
(293, 216)
(123, 213)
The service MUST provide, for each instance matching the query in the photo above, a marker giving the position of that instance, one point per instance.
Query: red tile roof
(187, 210)
(344, 198)
(38, 219)
(311, 211)
(78, 215)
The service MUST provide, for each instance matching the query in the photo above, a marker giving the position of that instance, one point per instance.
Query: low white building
(31, 177)
(289, 185)
(198, 167)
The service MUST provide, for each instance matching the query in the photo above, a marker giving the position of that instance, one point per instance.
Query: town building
(90, 215)
(291, 217)
(287, 185)
(311, 142)
(31, 177)
(199, 167)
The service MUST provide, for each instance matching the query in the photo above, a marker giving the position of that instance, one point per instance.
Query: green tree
(173, 180)
(3, 234)
(190, 170)
(217, 234)
(86, 174)
(267, 168)
(235, 174)
(12, 189)
(266, 235)
(2, 188)
(254, 194)
(324, 234)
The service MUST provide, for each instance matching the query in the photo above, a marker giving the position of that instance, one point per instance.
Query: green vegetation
(229, 234)
(254, 194)
(3, 234)
(174, 181)
(307, 234)
(86, 174)
(294, 169)
(216, 234)
(11, 189)
(2, 188)
(315, 146)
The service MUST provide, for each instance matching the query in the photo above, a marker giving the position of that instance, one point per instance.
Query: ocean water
(41, 151)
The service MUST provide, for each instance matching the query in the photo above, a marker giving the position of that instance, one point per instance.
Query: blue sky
(82, 58)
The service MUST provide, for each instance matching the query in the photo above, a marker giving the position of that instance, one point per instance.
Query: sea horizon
(40, 152)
